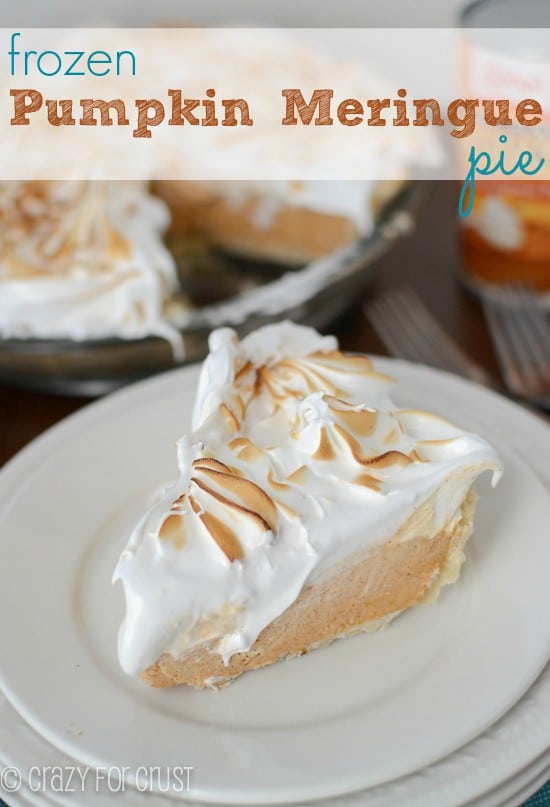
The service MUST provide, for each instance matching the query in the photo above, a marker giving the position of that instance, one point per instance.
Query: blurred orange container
(506, 54)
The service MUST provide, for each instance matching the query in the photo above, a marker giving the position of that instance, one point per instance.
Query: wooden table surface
(427, 260)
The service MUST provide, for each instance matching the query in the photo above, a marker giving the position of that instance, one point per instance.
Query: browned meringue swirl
(222, 495)
(45, 224)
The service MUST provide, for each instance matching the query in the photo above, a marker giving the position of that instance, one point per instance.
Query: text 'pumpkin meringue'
(307, 507)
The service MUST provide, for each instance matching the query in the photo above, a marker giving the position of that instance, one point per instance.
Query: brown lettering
(66, 117)
(320, 102)
(529, 107)
(182, 111)
(90, 105)
(350, 107)
(230, 106)
(502, 118)
(376, 105)
(145, 120)
(421, 118)
(21, 108)
(464, 124)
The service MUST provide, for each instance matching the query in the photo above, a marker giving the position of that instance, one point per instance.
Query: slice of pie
(307, 507)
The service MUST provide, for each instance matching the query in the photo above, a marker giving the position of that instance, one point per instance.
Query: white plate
(354, 715)
(499, 756)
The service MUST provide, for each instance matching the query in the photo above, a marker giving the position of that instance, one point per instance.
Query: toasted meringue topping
(173, 529)
(298, 460)
(83, 260)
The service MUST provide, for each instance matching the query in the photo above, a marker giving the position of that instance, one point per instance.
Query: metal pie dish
(314, 295)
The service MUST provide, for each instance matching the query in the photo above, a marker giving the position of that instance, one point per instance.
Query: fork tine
(435, 337)
(536, 331)
(394, 345)
(538, 315)
(392, 310)
(410, 331)
(533, 360)
(505, 354)
(381, 316)
(522, 340)
(515, 330)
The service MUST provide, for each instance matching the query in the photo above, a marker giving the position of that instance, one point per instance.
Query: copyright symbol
(10, 780)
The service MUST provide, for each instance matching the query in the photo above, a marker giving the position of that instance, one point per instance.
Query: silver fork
(410, 332)
(521, 334)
